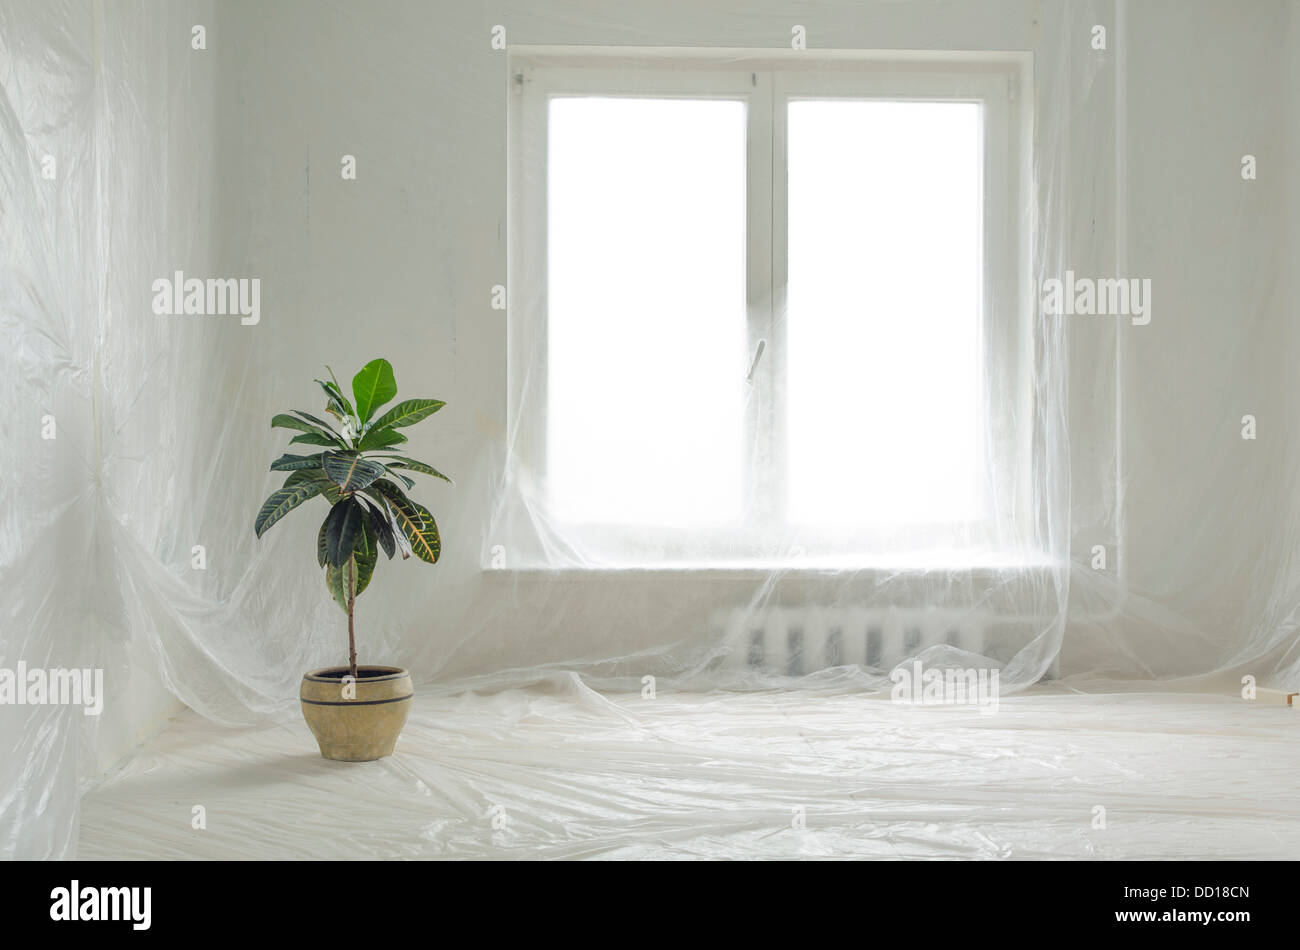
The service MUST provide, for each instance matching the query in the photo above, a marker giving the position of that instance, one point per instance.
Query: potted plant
(356, 712)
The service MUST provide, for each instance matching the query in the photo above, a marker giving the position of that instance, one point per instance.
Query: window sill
(806, 566)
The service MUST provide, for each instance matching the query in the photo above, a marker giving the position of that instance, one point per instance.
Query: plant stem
(352, 600)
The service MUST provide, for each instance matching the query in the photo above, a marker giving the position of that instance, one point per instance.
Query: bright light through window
(883, 396)
(765, 313)
(646, 309)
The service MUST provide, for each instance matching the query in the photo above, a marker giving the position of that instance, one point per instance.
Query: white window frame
(765, 80)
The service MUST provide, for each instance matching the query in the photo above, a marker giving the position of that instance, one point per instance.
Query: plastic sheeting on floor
(561, 771)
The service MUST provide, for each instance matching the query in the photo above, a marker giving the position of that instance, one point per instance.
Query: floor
(561, 771)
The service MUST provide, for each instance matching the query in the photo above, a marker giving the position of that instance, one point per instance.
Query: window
(646, 308)
(769, 306)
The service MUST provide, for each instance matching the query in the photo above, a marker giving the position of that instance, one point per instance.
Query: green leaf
(400, 461)
(423, 535)
(305, 475)
(399, 536)
(318, 421)
(380, 439)
(322, 542)
(335, 401)
(383, 528)
(354, 574)
(415, 521)
(290, 463)
(334, 581)
(340, 579)
(338, 391)
(285, 421)
(341, 527)
(372, 387)
(281, 502)
(308, 424)
(317, 438)
(350, 471)
(384, 490)
(329, 491)
(366, 555)
(407, 413)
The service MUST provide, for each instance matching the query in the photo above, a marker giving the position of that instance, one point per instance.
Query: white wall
(1205, 87)
(400, 262)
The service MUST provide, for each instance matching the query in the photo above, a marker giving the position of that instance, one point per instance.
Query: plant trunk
(352, 600)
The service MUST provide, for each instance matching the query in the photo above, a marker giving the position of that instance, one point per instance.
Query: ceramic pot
(356, 722)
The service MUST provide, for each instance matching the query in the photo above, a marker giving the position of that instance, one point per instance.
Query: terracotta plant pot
(356, 722)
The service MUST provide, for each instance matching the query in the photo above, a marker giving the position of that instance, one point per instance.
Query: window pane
(884, 312)
(646, 309)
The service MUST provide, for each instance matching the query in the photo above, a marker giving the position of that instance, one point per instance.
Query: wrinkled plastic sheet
(168, 158)
(558, 770)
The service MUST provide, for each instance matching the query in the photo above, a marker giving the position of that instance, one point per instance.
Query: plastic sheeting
(561, 771)
(224, 162)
